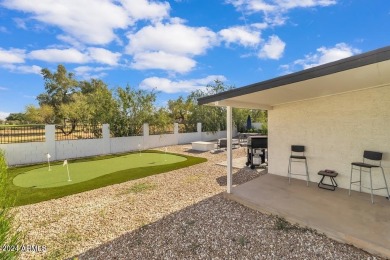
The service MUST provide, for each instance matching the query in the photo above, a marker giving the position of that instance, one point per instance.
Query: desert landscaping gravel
(180, 214)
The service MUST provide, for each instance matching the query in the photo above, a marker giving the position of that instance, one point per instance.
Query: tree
(16, 118)
(72, 102)
(161, 120)
(102, 105)
(212, 118)
(60, 87)
(40, 115)
(180, 111)
(134, 108)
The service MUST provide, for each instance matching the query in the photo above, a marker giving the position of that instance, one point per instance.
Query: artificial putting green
(149, 163)
(84, 171)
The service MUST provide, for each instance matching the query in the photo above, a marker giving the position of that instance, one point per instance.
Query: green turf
(30, 194)
(83, 171)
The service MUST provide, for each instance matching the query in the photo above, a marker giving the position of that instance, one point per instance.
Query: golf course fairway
(84, 171)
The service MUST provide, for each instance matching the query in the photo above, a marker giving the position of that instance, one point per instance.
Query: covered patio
(352, 220)
(336, 111)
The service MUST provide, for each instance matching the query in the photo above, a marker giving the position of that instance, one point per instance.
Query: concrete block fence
(35, 152)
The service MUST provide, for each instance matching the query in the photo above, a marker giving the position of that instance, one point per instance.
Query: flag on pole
(67, 169)
(48, 160)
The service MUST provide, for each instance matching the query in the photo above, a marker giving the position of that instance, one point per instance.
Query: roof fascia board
(238, 104)
(352, 62)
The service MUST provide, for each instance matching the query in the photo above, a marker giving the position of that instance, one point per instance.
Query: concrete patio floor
(348, 219)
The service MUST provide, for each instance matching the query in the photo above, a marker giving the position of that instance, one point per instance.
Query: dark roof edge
(352, 62)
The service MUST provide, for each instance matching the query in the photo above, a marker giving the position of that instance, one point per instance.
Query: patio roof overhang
(367, 70)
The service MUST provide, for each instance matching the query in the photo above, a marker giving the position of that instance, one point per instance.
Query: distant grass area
(32, 177)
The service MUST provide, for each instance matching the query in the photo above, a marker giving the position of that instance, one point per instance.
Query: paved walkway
(348, 219)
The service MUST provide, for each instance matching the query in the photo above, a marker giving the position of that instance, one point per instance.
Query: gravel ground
(175, 215)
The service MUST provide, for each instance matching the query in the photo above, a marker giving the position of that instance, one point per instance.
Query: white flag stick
(165, 156)
(48, 160)
(67, 169)
(139, 149)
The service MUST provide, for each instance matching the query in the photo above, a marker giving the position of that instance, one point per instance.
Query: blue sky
(179, 45)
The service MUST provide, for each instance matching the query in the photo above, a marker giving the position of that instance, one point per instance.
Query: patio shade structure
(367, 71)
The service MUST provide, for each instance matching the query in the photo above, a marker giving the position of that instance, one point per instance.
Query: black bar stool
(298, 155)
(375, 157)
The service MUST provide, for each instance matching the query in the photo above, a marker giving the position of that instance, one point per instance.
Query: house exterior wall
(335, 131)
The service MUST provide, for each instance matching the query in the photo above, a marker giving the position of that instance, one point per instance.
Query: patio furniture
(298, 155)
(242, 139)
(375, 160)
(202, 146)
(222, 143)
(331, 174)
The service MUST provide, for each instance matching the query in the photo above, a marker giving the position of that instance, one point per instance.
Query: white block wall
(335, 131)
(185, 138)
(79, 148)
(124, 144)
(27, 153)
(24, 153)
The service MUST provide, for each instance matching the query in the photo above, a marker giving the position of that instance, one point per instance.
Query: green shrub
(10, 238)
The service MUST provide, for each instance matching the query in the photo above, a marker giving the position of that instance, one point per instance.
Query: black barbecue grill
(256, 153)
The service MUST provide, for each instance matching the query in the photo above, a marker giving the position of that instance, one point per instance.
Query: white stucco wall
(335, 131)
(79, 148)
(185, 138)
(125, 144)
(25, 153)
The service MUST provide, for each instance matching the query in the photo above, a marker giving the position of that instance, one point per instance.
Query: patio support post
(229, 137)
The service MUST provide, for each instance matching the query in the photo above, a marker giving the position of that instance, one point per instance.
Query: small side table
(331, 175)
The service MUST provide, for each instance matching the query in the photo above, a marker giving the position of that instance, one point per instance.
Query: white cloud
(104, 56)
(274, 10)
(289, 4)
(164, 61)
(12, 56)
(259, 5)
(169, 46)
(71, 55)
(241, 35)
(270, 6)
(181, 86)
(171, 38)
(20, 23)
(142, 9)
(4, 115)
(71, 40)
(3, 29)
(3, 88)
(24, 69)
(90, 21)
(87, 72)
(326, 55)
(273, 48)
(58, 55)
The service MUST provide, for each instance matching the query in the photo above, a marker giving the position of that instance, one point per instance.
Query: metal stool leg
(360, 186)
(350, 181)
(289, 170)
(372, 196)
(384, 178)
(307, 174)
